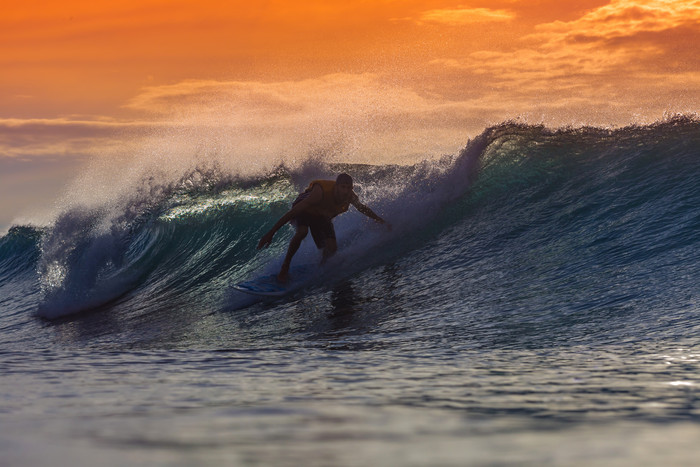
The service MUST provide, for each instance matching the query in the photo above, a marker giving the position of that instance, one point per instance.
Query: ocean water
(535, 303)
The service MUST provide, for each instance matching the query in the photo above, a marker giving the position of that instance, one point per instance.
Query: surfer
(314, 210)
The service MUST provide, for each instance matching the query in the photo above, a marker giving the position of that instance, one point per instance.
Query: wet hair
(344, 179)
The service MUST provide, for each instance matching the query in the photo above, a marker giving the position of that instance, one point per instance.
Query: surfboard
(268, 286)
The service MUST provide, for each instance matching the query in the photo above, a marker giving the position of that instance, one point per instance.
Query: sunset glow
(78, 75)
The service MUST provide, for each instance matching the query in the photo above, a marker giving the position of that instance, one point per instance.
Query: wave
(19, 250)
(597, 198)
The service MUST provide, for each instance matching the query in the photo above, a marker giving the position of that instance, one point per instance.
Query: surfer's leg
(294, 244)
(324, 236)
(329, 249)
(330, 245)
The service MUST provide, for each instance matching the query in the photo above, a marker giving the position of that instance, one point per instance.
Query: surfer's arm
(314, 197)
(364, 209)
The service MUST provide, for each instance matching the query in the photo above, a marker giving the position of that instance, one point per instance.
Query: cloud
(620, 19)
(209, 96)
(623, 54)
(464, 16)
(357, 100)
(65, 137)
(66, 126)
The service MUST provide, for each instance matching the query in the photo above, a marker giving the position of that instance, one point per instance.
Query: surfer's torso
(328, 207)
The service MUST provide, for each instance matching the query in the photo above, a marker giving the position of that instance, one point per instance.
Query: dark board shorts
(321, 227)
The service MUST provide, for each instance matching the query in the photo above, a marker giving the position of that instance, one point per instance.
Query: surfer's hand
(265, 240)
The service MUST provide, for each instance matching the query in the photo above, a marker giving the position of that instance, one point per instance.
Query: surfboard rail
(268, 285)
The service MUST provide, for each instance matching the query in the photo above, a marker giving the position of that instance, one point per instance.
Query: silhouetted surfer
(314, 210)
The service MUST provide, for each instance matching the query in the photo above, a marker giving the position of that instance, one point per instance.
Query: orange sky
(90, 57)
(387, 80)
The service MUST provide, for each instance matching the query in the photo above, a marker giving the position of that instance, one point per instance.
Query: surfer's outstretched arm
(314, 197)
(364, 209)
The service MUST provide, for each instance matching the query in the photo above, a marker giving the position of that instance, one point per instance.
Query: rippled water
(635, 404)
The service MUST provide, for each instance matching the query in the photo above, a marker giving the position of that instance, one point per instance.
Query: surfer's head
(343, 187)
(344, 179)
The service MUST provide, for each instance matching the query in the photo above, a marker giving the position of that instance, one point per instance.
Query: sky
(251, 84)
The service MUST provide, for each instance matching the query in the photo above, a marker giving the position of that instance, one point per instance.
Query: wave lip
(84, 263)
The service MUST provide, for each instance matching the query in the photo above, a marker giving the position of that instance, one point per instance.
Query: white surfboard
(269, 286)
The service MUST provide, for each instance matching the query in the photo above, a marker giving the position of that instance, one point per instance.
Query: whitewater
(535, 303)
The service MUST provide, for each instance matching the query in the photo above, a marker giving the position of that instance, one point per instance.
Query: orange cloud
(622, 18)
(465, 16)
(617, 50)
